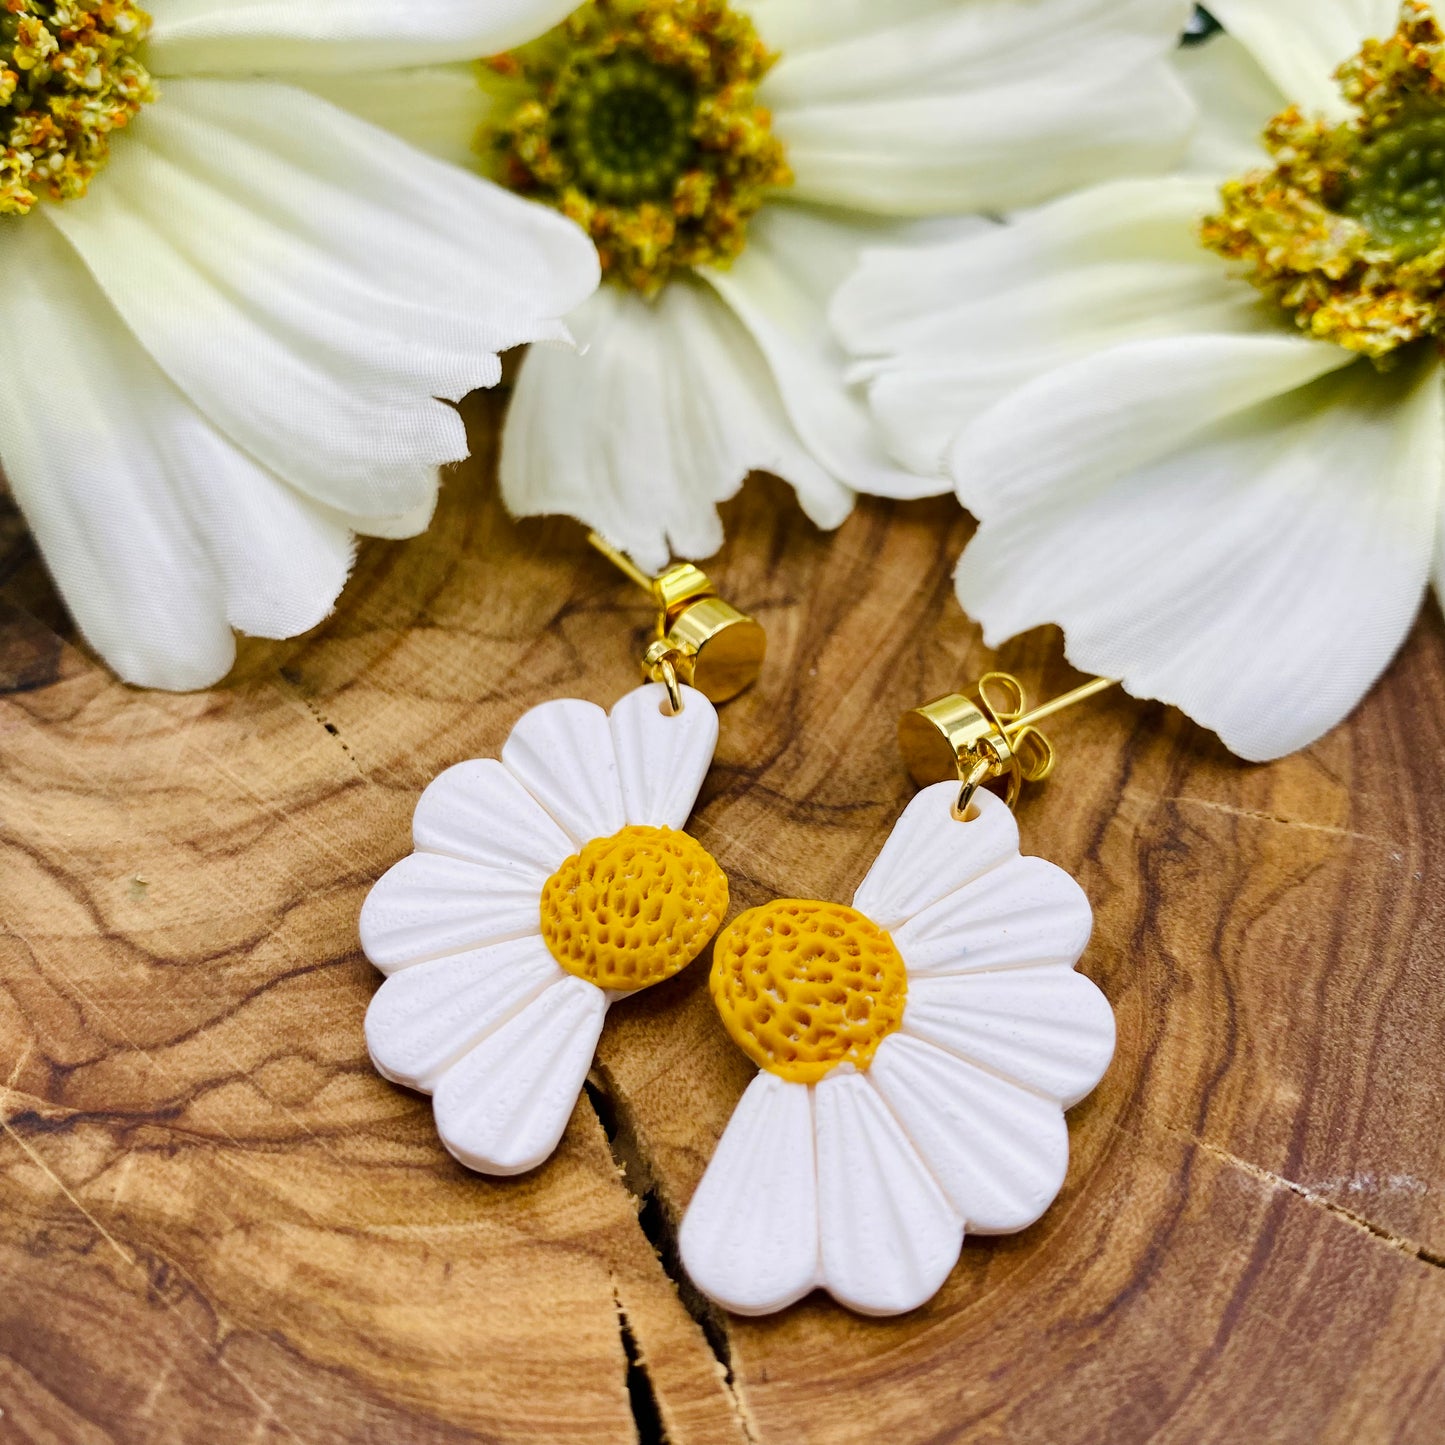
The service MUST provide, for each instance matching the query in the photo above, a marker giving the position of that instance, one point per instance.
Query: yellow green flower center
(1346, 232)
(627, 125)
(69, 77)
(1397, 189)
(639, 119)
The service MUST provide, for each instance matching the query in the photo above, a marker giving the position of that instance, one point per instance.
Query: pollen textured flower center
(803, 987)
(68, 78)
(1347, 231)
(632, 910)
(1397, 190)
(639, 120)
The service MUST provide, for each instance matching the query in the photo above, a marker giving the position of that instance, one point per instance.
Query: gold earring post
(978, 741)
(623, 563)
(701, 640)
(1066, 700)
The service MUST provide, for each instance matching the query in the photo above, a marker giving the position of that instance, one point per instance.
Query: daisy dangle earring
(549, 884)
(917, 1048)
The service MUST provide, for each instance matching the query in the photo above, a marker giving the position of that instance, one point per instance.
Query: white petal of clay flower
(543, 888)
(918, 1052)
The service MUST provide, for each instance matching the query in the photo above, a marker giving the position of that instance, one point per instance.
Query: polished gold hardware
(659, 664)
(980, 741)
(702, 640)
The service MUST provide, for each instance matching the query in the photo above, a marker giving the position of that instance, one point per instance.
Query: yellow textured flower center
(632, 910)
(639, 119)
(803, 987)
(68, 78)
(1347, 231)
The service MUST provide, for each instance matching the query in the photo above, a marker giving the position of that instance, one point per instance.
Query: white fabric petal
(160, 533)
(502, 1108)
(430, 905)
(1439, 575)
(1261, 579)
(423, 1019)
(780, 288)
(662, 759)
(562, 753)
(929, 298)
(930, 853)
(1235, 99)
(312, 283)
(440, 109)
(478, 811)
(1024, 913)
(398, 526)
(749, 1239)
(1301, 43)
(887, 1235)
(243, 37)
(953, 328)
(1048, 1029)
(799, 27)
(999, 1153)
(1098, 418)
(790, 26)
(985, 106)
(662, 414)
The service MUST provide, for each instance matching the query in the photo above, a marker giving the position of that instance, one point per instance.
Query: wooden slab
(217, 1224)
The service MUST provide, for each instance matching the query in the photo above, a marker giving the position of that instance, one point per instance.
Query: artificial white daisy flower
(1201, 420)
(543, 888)
(228, 308)
(918, 1052)
(731, 161)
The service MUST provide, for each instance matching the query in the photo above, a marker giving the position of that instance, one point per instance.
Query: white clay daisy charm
(918, 1051)
(542, 889)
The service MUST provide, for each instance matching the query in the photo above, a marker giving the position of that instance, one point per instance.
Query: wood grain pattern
(217, 1224)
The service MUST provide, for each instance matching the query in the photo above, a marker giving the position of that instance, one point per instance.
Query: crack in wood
(1394, 1241)
(658, 1228)
(641, 1393)
(291, 681)
(1258, 815)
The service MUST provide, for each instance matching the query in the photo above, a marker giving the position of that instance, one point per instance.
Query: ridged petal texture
(662, 759)
(475, 1009)
(563, 755)
(929, 854)
(999, 1152)
(477, 810)
(888, 1236)
(1049, 1029)
(870, 1179)
(1024, 913)
(750, 1236)
(430, 905)
(423, 1019)
(503, 1107)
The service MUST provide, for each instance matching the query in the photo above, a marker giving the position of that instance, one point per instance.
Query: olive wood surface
(218, 1225)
